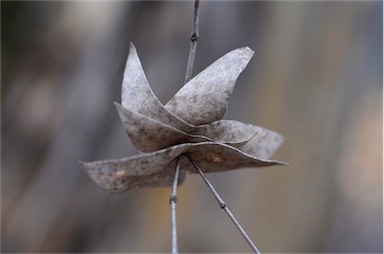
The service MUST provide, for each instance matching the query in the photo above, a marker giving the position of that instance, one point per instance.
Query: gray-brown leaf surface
(188, 124)
(205, 98)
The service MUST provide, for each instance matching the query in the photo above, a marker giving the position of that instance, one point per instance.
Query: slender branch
(191, 60)
(188, 75)
(172, 201)
(224, 206)
(193, 45)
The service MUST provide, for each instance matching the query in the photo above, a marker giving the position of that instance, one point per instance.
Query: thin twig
(172, 201)
(193, 45)
(224, 206)
(188, 75)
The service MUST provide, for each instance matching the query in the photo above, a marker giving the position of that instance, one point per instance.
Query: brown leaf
(204, 99)
(149, 135)
(116, 175)
(263, 144)
(189, 124)
(137, 96)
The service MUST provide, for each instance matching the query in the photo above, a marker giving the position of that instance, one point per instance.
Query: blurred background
(316, 77)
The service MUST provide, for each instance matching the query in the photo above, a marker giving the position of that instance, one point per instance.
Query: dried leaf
(204, 99)
(115, 175)
(189, 124)
(163, 178)
(263, 144)
(137, 96)
(228, 131)
(113, 181)
(149, 135)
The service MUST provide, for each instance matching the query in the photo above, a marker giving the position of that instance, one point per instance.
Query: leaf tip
(249, 50)
(117, 105)
(131, 46)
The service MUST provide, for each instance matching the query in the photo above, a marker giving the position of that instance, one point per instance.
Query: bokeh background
(316, 77)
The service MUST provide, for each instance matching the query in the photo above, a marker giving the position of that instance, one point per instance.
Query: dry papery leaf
(188, 124)
(140, 170)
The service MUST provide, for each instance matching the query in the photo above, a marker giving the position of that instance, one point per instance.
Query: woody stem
(224, 206)
(193, 45)
(172, 201)
(188, 75)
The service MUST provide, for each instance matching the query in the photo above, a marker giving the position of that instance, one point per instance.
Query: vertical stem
(193, 45)
(188, 75)
(224, 206)
(172, 201)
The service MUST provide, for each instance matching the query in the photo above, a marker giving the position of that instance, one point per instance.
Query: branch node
(172, 199)
(194, 37)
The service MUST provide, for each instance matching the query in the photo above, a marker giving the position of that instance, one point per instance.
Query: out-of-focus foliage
(316, 77)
